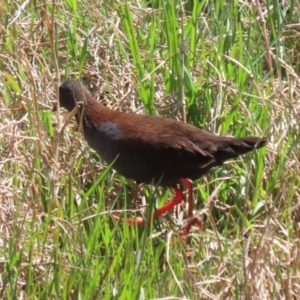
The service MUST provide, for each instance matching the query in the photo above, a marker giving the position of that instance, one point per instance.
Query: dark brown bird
(152, 149)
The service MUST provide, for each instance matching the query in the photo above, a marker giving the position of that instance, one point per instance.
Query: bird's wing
(167, 134)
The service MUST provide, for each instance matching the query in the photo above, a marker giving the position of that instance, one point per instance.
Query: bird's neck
(92, 113)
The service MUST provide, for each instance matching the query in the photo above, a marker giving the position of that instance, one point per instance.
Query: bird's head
(71, 93)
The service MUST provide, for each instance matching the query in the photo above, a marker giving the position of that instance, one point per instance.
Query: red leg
(138, 221)
(194, 221)
(169, 205)
(176, 200)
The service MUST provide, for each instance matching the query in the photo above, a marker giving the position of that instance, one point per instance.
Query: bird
(152, 149)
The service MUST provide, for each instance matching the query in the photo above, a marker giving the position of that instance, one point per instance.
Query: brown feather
(151, 148)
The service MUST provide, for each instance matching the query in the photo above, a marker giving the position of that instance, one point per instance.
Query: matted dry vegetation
(241, 66)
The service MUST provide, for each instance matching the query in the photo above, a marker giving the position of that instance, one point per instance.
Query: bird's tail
(229, 147)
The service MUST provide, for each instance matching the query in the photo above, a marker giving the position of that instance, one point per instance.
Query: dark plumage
(150, 148)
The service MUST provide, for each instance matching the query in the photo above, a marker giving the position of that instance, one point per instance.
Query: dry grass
(56, 235)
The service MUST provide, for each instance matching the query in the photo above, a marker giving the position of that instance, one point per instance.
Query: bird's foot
(138, 221)
(192, 221)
